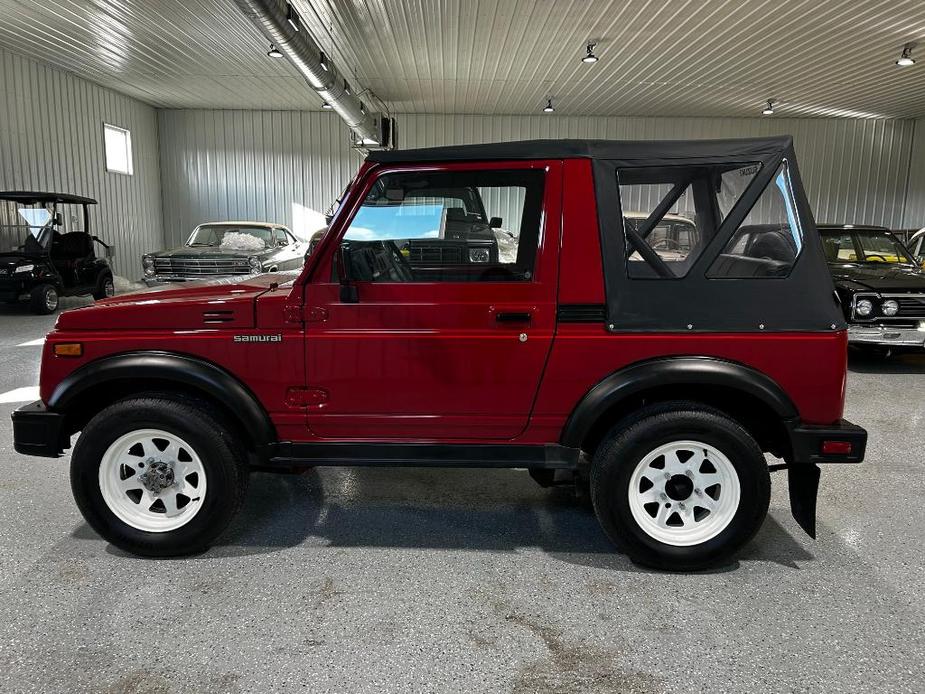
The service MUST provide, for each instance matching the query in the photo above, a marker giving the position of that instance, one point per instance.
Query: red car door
(455, 268)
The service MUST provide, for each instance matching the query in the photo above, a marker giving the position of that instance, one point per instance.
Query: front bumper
(887, 336)
(162, 280)
(37, 431)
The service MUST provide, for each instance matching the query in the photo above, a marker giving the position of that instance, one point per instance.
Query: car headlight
(255, 265)
(150, 272)
(147, 261)
(890, 307)
(24, 268)
(864, 307)
(478, 255)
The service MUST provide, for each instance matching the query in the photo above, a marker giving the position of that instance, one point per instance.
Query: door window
(447, 227)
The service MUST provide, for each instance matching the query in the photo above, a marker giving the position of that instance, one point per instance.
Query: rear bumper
(806, 441)
(886, 336)
(37, 431)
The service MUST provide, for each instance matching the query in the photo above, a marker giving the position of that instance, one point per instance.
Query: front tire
(43, 299)
(679, 488)
(158, 475)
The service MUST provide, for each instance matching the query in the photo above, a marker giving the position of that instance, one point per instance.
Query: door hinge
(298, 396)
(317, 314)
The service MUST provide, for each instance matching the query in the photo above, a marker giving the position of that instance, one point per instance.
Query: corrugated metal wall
(915, 187)
(51, 138)
(258, 164)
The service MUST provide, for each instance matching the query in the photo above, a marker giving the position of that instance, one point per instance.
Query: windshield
(232, 237)
(24, 229)
(864, 246)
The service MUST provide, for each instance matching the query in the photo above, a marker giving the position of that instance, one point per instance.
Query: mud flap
(803, 481)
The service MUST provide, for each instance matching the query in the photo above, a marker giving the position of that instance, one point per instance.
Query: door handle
(513, 316)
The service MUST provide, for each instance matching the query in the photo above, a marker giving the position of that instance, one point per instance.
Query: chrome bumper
(887, 336)
(162, 280)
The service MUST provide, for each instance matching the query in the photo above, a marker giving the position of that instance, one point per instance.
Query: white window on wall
(118, 149)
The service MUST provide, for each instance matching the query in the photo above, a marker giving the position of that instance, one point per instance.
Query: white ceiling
(657, 57)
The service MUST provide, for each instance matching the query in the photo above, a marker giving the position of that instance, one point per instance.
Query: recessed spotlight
(323, 61)
(769, 109)
(548, 107)
(292, 16)
(906, 59)
(325, 105)
(274, 52)
(590, 57)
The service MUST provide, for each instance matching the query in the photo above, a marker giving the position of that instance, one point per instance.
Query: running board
(289, 454)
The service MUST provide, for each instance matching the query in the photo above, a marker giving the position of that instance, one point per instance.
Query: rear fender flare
(658, 373)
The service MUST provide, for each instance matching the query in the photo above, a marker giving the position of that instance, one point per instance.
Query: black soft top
(656, 151)
(32, 197)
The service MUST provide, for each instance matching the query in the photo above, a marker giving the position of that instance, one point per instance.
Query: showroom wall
(226, 164)
(915, 186)
(51, 138)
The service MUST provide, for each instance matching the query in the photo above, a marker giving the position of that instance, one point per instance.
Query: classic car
(880, 285)
(223, 249)
(916, 244)
(47, 251)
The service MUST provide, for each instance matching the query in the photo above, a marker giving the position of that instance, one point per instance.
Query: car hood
(208, 252)
(879, 278)
(207, 305)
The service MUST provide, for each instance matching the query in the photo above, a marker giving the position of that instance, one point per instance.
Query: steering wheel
(868, 256)
(666, 244)
(400, 263)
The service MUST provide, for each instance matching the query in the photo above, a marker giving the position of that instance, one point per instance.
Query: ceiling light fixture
(346, 87)
(769, 109)
(906, 59)
(590, 57)
(274, 52)
(325, 105)
(548, 107)
(292, 16)
(323, 61)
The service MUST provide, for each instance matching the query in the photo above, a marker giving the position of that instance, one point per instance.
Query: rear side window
(448, 227)
(768, 241)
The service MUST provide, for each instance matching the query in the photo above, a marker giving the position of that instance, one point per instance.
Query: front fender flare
(642, 376)
(189, 371)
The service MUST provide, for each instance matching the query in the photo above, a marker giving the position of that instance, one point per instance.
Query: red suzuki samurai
(645, 318)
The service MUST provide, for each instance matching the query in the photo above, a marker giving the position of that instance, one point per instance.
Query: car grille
(436, 254)
(200, 267)
(910, 305)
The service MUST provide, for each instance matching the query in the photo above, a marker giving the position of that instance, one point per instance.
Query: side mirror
(495, 222)
(348, 288)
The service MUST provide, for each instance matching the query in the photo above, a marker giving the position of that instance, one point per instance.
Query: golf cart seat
(71, 246)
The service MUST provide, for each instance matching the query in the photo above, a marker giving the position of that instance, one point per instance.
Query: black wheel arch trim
(183, 369)
(681, 370)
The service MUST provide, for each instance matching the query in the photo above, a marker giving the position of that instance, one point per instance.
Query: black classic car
(223, 249)
(880, 286)
(47, 251)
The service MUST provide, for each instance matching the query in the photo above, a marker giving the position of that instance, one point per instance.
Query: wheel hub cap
(158, 476)
(679, 487)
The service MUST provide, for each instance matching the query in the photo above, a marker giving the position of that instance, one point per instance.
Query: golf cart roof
(32, 197)
(653, 151)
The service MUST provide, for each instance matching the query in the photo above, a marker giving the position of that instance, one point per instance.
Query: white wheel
(152, 480)
(684, 493)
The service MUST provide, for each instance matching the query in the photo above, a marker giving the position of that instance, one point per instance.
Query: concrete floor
(364, 580)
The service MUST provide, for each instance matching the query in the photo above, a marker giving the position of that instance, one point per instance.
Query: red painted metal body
(428, 361)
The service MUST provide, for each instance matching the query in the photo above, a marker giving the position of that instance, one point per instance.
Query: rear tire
(43, 299)
(680, 487)
(197, 475)
(105, 287)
